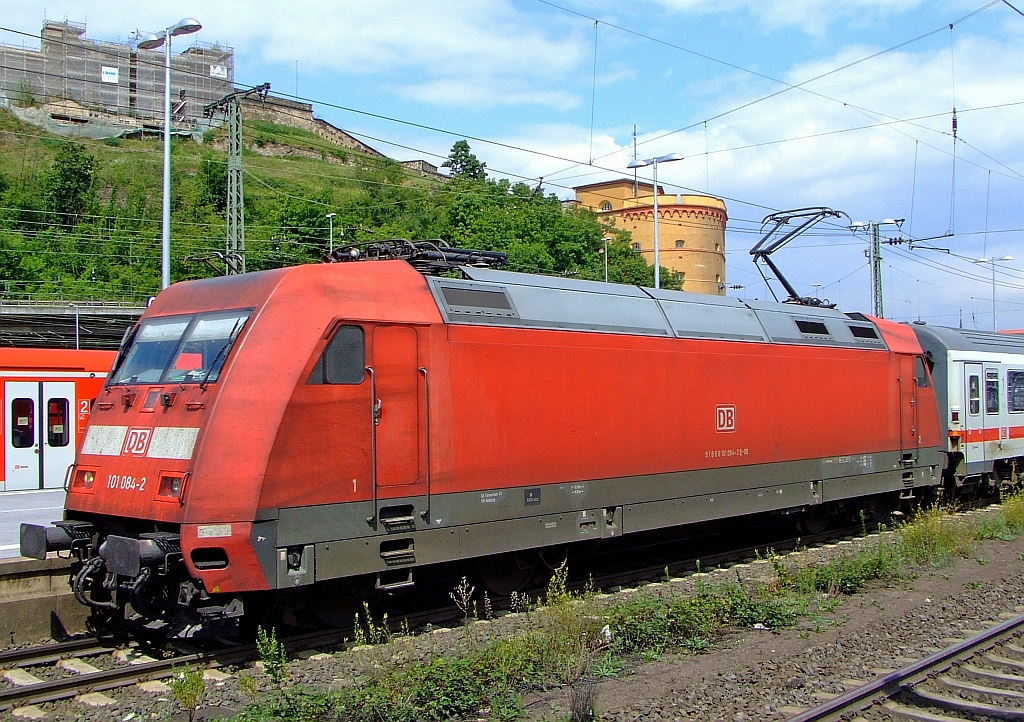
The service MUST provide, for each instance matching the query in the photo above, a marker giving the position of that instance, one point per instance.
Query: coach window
(23, 426)
(57, 432)
(991, 392)
(344, 359)
(1015, 391)
(974, 394)
(920, 375)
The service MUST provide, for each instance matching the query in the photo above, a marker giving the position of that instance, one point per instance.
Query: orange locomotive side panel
(508, 407)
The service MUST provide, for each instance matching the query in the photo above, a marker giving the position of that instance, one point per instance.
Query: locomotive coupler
(36, 540)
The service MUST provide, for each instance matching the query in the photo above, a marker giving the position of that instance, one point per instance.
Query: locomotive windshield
(179, 349)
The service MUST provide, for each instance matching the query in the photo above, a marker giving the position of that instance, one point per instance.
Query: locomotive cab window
(180, 349)
(23, 434)
(344, 359)
(1015, 391)
(920, 375)
(974, 394)
(991, 392)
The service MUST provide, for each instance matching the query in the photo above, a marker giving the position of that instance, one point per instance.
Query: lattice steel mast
(231, 104)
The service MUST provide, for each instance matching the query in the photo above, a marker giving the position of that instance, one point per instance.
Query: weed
(371, 632)
(506, 704)
(488, 611)
(607, 665)
(581, 702)
(249, 688)
(1013, 509)
(273, 655)
(696, 644)
(934, 536)
(993, 527)
(981, 561)
(189, 690)
(518, 602)
(462, 595)
(973, 585)
(558, 584)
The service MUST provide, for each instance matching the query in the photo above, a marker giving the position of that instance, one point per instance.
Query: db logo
(136, 441)
(725, 418)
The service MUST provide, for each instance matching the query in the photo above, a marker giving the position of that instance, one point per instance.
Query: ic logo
(725, 418)
(136, 442)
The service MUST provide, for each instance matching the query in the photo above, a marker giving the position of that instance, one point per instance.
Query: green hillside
(81, 219)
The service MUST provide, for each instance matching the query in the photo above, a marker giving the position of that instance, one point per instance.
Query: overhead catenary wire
(787, 86)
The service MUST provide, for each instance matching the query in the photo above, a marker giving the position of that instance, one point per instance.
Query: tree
(212, 177)
(67, 186)
(464, 164)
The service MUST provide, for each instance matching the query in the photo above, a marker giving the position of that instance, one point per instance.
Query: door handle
(376, 411)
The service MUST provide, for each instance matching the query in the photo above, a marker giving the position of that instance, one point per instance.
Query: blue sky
(521, 73)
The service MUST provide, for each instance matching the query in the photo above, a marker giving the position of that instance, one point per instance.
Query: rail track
(980, 678)
(672, 557)
(135, 667)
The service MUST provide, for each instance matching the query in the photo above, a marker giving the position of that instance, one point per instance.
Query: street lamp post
(994, 261)
(654, 163)
(605, 241)
(152, 42)
(330, 218)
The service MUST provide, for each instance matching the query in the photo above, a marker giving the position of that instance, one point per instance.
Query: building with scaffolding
(71, 81)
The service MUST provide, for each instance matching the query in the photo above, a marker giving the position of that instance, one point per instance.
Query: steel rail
(52, 690)
(895, 682)
(47, 653)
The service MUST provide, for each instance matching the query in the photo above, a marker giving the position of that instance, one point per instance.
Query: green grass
(574, 638)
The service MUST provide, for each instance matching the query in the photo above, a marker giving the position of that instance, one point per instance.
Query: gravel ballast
(748, 674)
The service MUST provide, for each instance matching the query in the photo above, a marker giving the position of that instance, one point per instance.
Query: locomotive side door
(21, 412)
(974, 419)
(398, 407)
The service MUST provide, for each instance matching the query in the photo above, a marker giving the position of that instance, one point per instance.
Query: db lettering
(725, 418)
(136, 441)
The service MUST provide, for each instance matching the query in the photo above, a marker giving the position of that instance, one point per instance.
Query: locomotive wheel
(337, 602)
(503, 574)
(881, 508)
(815, 519)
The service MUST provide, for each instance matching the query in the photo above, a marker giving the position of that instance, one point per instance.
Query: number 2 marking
(83, 406)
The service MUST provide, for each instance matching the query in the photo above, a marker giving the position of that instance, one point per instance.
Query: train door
(57, 432)
(22, 447)
(398, 408)
(40, 438)
(974, 420)
(908, 408)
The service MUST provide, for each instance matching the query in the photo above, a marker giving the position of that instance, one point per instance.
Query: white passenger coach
(979, 384)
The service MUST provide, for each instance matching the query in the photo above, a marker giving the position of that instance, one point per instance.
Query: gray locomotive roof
(503, 298)
(962, 339)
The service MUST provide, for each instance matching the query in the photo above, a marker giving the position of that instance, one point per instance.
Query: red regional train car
(283, 429)
(47, 397)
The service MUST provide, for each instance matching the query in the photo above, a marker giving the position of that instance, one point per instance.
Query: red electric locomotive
(280, 429)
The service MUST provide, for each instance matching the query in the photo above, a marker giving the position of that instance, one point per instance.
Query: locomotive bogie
(293, 427)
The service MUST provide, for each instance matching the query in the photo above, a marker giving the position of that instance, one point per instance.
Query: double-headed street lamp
(654, 162)
(153, 41)
(994, 261)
